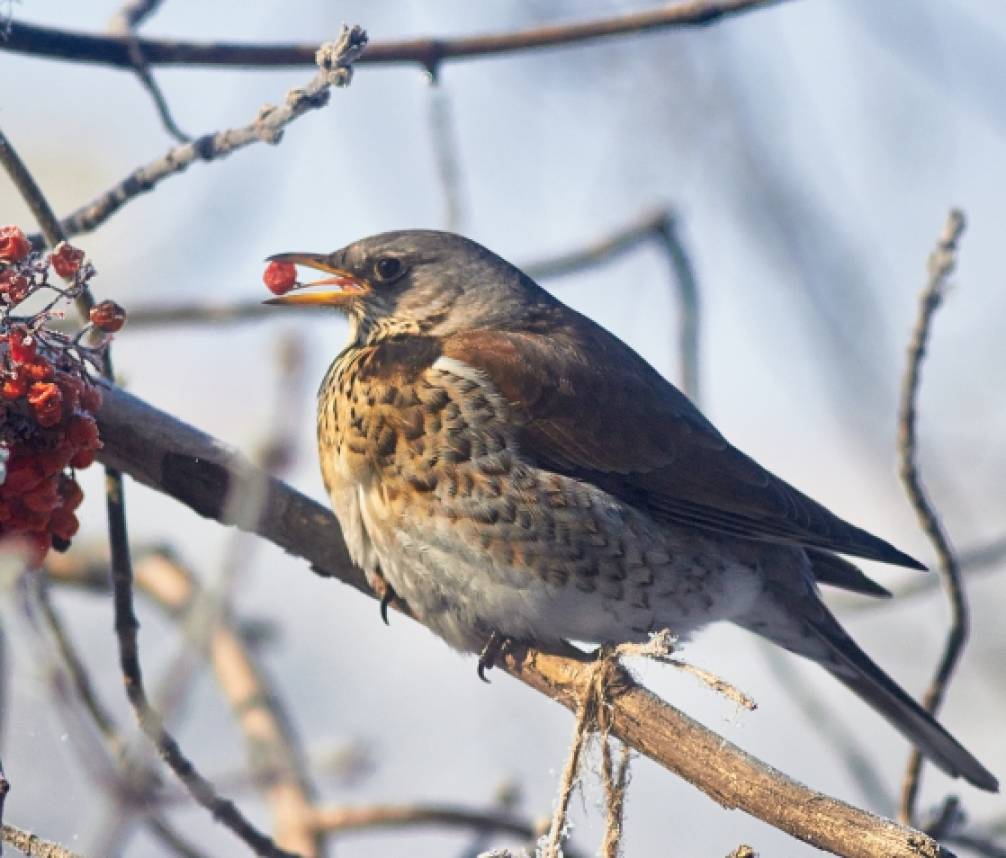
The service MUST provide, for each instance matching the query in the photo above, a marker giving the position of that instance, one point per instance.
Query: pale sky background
(812, 151)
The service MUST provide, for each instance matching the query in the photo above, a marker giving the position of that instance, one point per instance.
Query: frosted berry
(66, 259)
(108, 317)
(14, 244)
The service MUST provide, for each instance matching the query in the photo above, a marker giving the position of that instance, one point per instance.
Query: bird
(514, 472)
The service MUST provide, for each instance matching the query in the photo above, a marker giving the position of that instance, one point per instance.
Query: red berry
(280, 277)
(53, 461)
(108, 317)
(71, 493)
(63, 524)
(43, 499)
(82, 432)
(46, 403)
(71, 389)
(83, 458)
(39, 369)
(65, 259)
(21, 344)
(90, 397)
(14, 244)
(14, 285)
(14, 386)
(22, 477)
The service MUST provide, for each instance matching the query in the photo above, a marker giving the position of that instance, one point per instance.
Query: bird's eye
(388, 268)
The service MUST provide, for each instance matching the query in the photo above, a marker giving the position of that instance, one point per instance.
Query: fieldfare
(514, 471)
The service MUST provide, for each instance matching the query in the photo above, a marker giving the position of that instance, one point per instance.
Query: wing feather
(589, 407)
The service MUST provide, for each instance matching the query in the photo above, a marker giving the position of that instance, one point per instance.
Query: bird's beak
(350, 285)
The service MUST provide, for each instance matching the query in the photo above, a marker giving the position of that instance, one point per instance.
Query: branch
(941, 265)
(335, 61)
(124, 23)
(29, 844)
(333, 820)
(429, 53)
(197, 470)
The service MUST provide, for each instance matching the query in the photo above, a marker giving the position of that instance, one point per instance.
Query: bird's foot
(496, 646)
(384, 591)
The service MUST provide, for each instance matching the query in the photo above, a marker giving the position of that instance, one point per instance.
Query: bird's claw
(386, 599)
(385, 592)
(494, 648)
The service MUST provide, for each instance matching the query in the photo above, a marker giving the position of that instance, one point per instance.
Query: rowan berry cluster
(47, 397)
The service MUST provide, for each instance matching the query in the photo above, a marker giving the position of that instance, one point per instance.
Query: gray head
(419, 281)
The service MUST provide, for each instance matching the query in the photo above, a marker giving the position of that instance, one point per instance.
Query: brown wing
(591, 408)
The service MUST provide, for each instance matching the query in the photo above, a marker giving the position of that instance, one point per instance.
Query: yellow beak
(350, 285)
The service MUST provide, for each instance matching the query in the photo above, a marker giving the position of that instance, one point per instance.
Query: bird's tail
(805, 626)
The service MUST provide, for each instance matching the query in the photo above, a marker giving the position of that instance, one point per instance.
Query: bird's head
(417, 281)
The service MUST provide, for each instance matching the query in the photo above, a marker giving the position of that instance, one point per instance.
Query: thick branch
(430, 53)
(196, 469)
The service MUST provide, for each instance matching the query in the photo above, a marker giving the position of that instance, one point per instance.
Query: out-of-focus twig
(941, 265)
(687, 294)
(346, 818)
(446, 154)
(334, 60)
(125, 23)
(429, 53)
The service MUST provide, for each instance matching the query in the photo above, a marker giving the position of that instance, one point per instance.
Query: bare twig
(132, 14)
(941, 265)
(334, 60)
(333, 820)
(125, 23)
(687, 294)
(430, 53)
(31, 845)
(196, 469)
(446, 154)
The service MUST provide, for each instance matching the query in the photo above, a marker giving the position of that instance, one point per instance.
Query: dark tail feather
(835, 571)
(854, 668)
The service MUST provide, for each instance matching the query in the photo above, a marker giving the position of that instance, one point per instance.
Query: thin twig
(333, 820)
(31, 845)
(941, 265)
(196, 469)
(429, 53)
(334, 60)
(446, 154)
(687, 294)
(125, 23)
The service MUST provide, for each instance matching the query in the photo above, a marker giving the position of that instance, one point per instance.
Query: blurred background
(809, 152)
